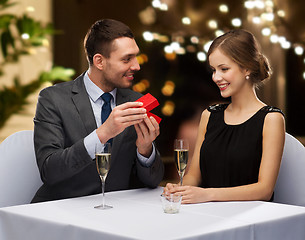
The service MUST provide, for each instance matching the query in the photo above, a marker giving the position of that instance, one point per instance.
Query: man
(68, 123)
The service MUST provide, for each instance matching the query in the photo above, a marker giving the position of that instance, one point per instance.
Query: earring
(247, 77)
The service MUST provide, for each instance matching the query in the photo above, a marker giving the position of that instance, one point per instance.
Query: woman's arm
(193, 176)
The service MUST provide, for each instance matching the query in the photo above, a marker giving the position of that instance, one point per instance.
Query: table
(137, 214)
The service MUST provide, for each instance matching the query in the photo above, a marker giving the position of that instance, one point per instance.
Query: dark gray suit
(64, 117)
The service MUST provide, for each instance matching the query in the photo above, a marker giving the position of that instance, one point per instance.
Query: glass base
(103, 207)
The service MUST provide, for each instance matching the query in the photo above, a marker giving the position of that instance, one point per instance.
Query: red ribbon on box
(149, 103)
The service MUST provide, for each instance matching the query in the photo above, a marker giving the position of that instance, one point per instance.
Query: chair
(290, 187)
(19, 175)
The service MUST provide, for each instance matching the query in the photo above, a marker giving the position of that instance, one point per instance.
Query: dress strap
(268, 109)
(218, 107)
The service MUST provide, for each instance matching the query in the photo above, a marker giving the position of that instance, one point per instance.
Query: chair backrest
(19, 175)
(290, 188)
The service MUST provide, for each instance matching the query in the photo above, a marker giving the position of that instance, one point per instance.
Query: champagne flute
(103, 159)
(181, 150)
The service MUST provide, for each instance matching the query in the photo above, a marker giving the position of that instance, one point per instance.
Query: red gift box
(149, 103)
(158, 119)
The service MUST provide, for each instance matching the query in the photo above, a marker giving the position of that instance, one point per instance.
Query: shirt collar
(94, 91)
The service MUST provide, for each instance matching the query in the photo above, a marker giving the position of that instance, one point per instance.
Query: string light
(142, 58)
(212, 24)
(148, 36)
(194, 40)
(201, 56)
(141, 86)
(264, 11)
(299, 50)
(268, 13)
(156, 4)
(168, 49)
(168, 108)
(256, 20)
(267, 19)
(175, 46)
(164, 7)
(223, 8)
(236, 22)
(281, 13)
(170, 56)
(168, 88)
(249, 4)
(186, 21)
(274, 38)
(159, 5)
(264, 14)
(286, 45)
(267, 16)
(282, 40)
(180, 51)
(259, 4)
(266, 31)
(269, 4)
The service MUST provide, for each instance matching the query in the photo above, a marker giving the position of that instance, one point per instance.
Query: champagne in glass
(102, 164)
(103, 159)
(181, 150)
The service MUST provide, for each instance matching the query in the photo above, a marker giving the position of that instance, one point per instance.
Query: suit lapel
(83, 105)
(122, 96)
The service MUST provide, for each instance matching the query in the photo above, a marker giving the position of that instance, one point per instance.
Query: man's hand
(121, 117)
(147, 132)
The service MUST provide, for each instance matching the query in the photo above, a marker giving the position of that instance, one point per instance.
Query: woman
(239, 145)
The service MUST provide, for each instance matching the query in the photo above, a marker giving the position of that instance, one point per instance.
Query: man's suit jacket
(64, 117)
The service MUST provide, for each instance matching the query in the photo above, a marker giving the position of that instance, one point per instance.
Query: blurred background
(42, 44)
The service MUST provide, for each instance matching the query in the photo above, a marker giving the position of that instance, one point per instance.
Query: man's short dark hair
(100, 36)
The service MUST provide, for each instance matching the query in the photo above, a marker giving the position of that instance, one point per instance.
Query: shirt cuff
(92, 141)
(147, 162)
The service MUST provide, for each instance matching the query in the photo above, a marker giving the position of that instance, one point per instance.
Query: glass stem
(103, 191)
(181, 180)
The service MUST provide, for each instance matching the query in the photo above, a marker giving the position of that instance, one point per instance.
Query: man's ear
(99, 61)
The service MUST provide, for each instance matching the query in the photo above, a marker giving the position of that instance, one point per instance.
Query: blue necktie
(106, 109)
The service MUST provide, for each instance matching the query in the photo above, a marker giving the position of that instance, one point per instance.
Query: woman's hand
(190, 194)
(169, 188)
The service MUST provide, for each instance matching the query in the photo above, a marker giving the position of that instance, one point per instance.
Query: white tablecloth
(138, 214)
